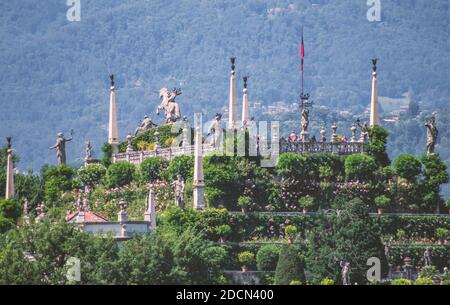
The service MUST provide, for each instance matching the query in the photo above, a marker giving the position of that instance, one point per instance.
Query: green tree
(57, 180)
(267, 257)
(153, 169)
(377, 146)
(360, 167)
(9, 213)
(120, 173)
(348, 234)
(106, 154)
(435, 174)
(407, 166)
(183, 165)
(92, 174)
(39, 254)
(290, 267)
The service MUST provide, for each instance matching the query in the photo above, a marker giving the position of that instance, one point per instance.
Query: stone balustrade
(339, 148)
(137, 157)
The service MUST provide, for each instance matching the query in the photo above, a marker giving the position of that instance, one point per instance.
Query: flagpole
(302, 62)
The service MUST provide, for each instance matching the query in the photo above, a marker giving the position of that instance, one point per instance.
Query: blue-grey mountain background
(54, 73)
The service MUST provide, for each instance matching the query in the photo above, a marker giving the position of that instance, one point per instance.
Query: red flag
(302, 50)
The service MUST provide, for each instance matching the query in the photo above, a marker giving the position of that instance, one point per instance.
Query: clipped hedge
(440, 254)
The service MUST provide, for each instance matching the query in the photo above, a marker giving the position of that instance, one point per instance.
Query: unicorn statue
(168, 104)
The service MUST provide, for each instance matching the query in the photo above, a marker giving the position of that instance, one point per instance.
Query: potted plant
(442, 235)
(223, 231)
(246, 258)
(382, 202)
(244, 202)
(401, 234)
(306, 202)
(290, 232)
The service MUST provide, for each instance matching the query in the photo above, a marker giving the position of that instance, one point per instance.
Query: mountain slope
(54, 73)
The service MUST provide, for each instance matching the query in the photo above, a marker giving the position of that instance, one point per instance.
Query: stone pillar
(186, 137)
(374, 96)
(245, 111)
(232, 112)
(9, 172)
(113, 133)
(198, 183)
(122, 216)
(150, 211)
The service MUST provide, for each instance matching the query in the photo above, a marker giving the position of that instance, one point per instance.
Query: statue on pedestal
(168, 104)
(292, 137)
(345, 273)
(432, 134)
(427, 257)
(145, 125)
(364, 133)
(179, 191)
(216, 130)
(60, 147)
(305, 119)
(88, 151)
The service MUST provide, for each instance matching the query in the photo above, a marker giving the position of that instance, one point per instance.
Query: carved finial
(374, 64)
(8, 140)
(233, 60)
(245, 78)
(111, 77)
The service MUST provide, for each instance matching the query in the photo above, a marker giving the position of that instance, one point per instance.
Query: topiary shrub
(398, 282)
(360, 167)
(120, 173)
(407, 166)
(306, 202)
(244, 202)
(92, 174)
(267, 257)
(424, 281)
(290, 266)
(327, 281)
(246, 258)
(442, 233)
(153, 169)
(290, 231)
(382, 201)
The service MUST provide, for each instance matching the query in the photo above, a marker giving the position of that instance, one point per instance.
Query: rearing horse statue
(171, 108)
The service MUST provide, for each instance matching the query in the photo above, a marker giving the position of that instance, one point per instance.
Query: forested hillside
(54, 73)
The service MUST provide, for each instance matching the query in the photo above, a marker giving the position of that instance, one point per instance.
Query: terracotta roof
(88, 217)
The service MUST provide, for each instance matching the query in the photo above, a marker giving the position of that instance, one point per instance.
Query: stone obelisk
(150, 213)
(198, 183)
(9, 171)
(374, 96)
(113, 133)
(232, 112)
(245, 111)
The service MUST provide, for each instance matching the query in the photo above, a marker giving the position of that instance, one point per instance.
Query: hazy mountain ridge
(55, 73)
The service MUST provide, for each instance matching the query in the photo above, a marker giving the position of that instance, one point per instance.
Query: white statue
(179, 191)
(145, 125)
(171, 108)
(345, 273)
